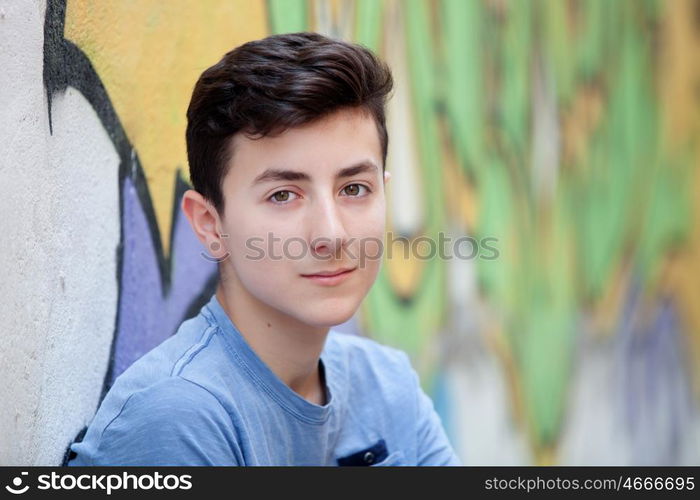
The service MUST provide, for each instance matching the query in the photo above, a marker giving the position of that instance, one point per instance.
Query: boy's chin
(328, 317)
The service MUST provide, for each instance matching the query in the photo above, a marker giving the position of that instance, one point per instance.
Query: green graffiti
(485, 78)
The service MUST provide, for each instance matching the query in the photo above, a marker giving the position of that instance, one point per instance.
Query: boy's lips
(330, 273)
(329, 278)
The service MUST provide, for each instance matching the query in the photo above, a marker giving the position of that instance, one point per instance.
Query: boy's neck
(289, 348)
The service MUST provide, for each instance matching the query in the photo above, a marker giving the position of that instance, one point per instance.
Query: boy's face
(305, 202)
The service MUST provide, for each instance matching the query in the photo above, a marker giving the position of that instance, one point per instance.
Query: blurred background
(567, 132)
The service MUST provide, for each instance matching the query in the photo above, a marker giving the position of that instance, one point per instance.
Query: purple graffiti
(653, 374)
(147, 313)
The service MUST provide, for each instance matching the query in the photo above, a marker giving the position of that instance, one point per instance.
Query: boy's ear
(387, 176)
(204, 221)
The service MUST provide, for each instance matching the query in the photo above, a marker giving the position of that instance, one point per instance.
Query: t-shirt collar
(261, 374)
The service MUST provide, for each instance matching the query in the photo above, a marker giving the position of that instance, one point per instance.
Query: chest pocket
(376, 455)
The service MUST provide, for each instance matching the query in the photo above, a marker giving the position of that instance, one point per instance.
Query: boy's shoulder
(363, 361)
(354, 347)
(199, 360)
(198, 354)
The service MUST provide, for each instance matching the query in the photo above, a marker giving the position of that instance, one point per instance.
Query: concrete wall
(59, 199)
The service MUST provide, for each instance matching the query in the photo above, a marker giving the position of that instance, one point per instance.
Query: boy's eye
(355, 189)
(281, 197)
(285, 196)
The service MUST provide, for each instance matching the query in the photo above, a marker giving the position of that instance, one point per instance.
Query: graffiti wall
(564, 133)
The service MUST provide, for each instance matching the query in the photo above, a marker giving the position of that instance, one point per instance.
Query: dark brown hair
(267, 86)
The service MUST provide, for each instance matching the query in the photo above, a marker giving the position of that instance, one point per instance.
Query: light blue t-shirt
(204, 397)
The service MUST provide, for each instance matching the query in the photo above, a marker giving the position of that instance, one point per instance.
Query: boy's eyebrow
(358, 168)
(275, 174)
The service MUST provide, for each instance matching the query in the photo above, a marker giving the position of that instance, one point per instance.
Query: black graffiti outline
(66, 65)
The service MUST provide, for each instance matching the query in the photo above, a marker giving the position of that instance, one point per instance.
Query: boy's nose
(328, 235)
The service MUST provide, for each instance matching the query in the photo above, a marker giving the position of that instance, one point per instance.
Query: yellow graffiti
(149, 54)
(679, 81)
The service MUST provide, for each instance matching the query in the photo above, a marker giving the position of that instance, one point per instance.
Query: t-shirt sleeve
(433, 447)
(174, 422)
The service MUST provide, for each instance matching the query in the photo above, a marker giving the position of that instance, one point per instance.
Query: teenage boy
(287, 143)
